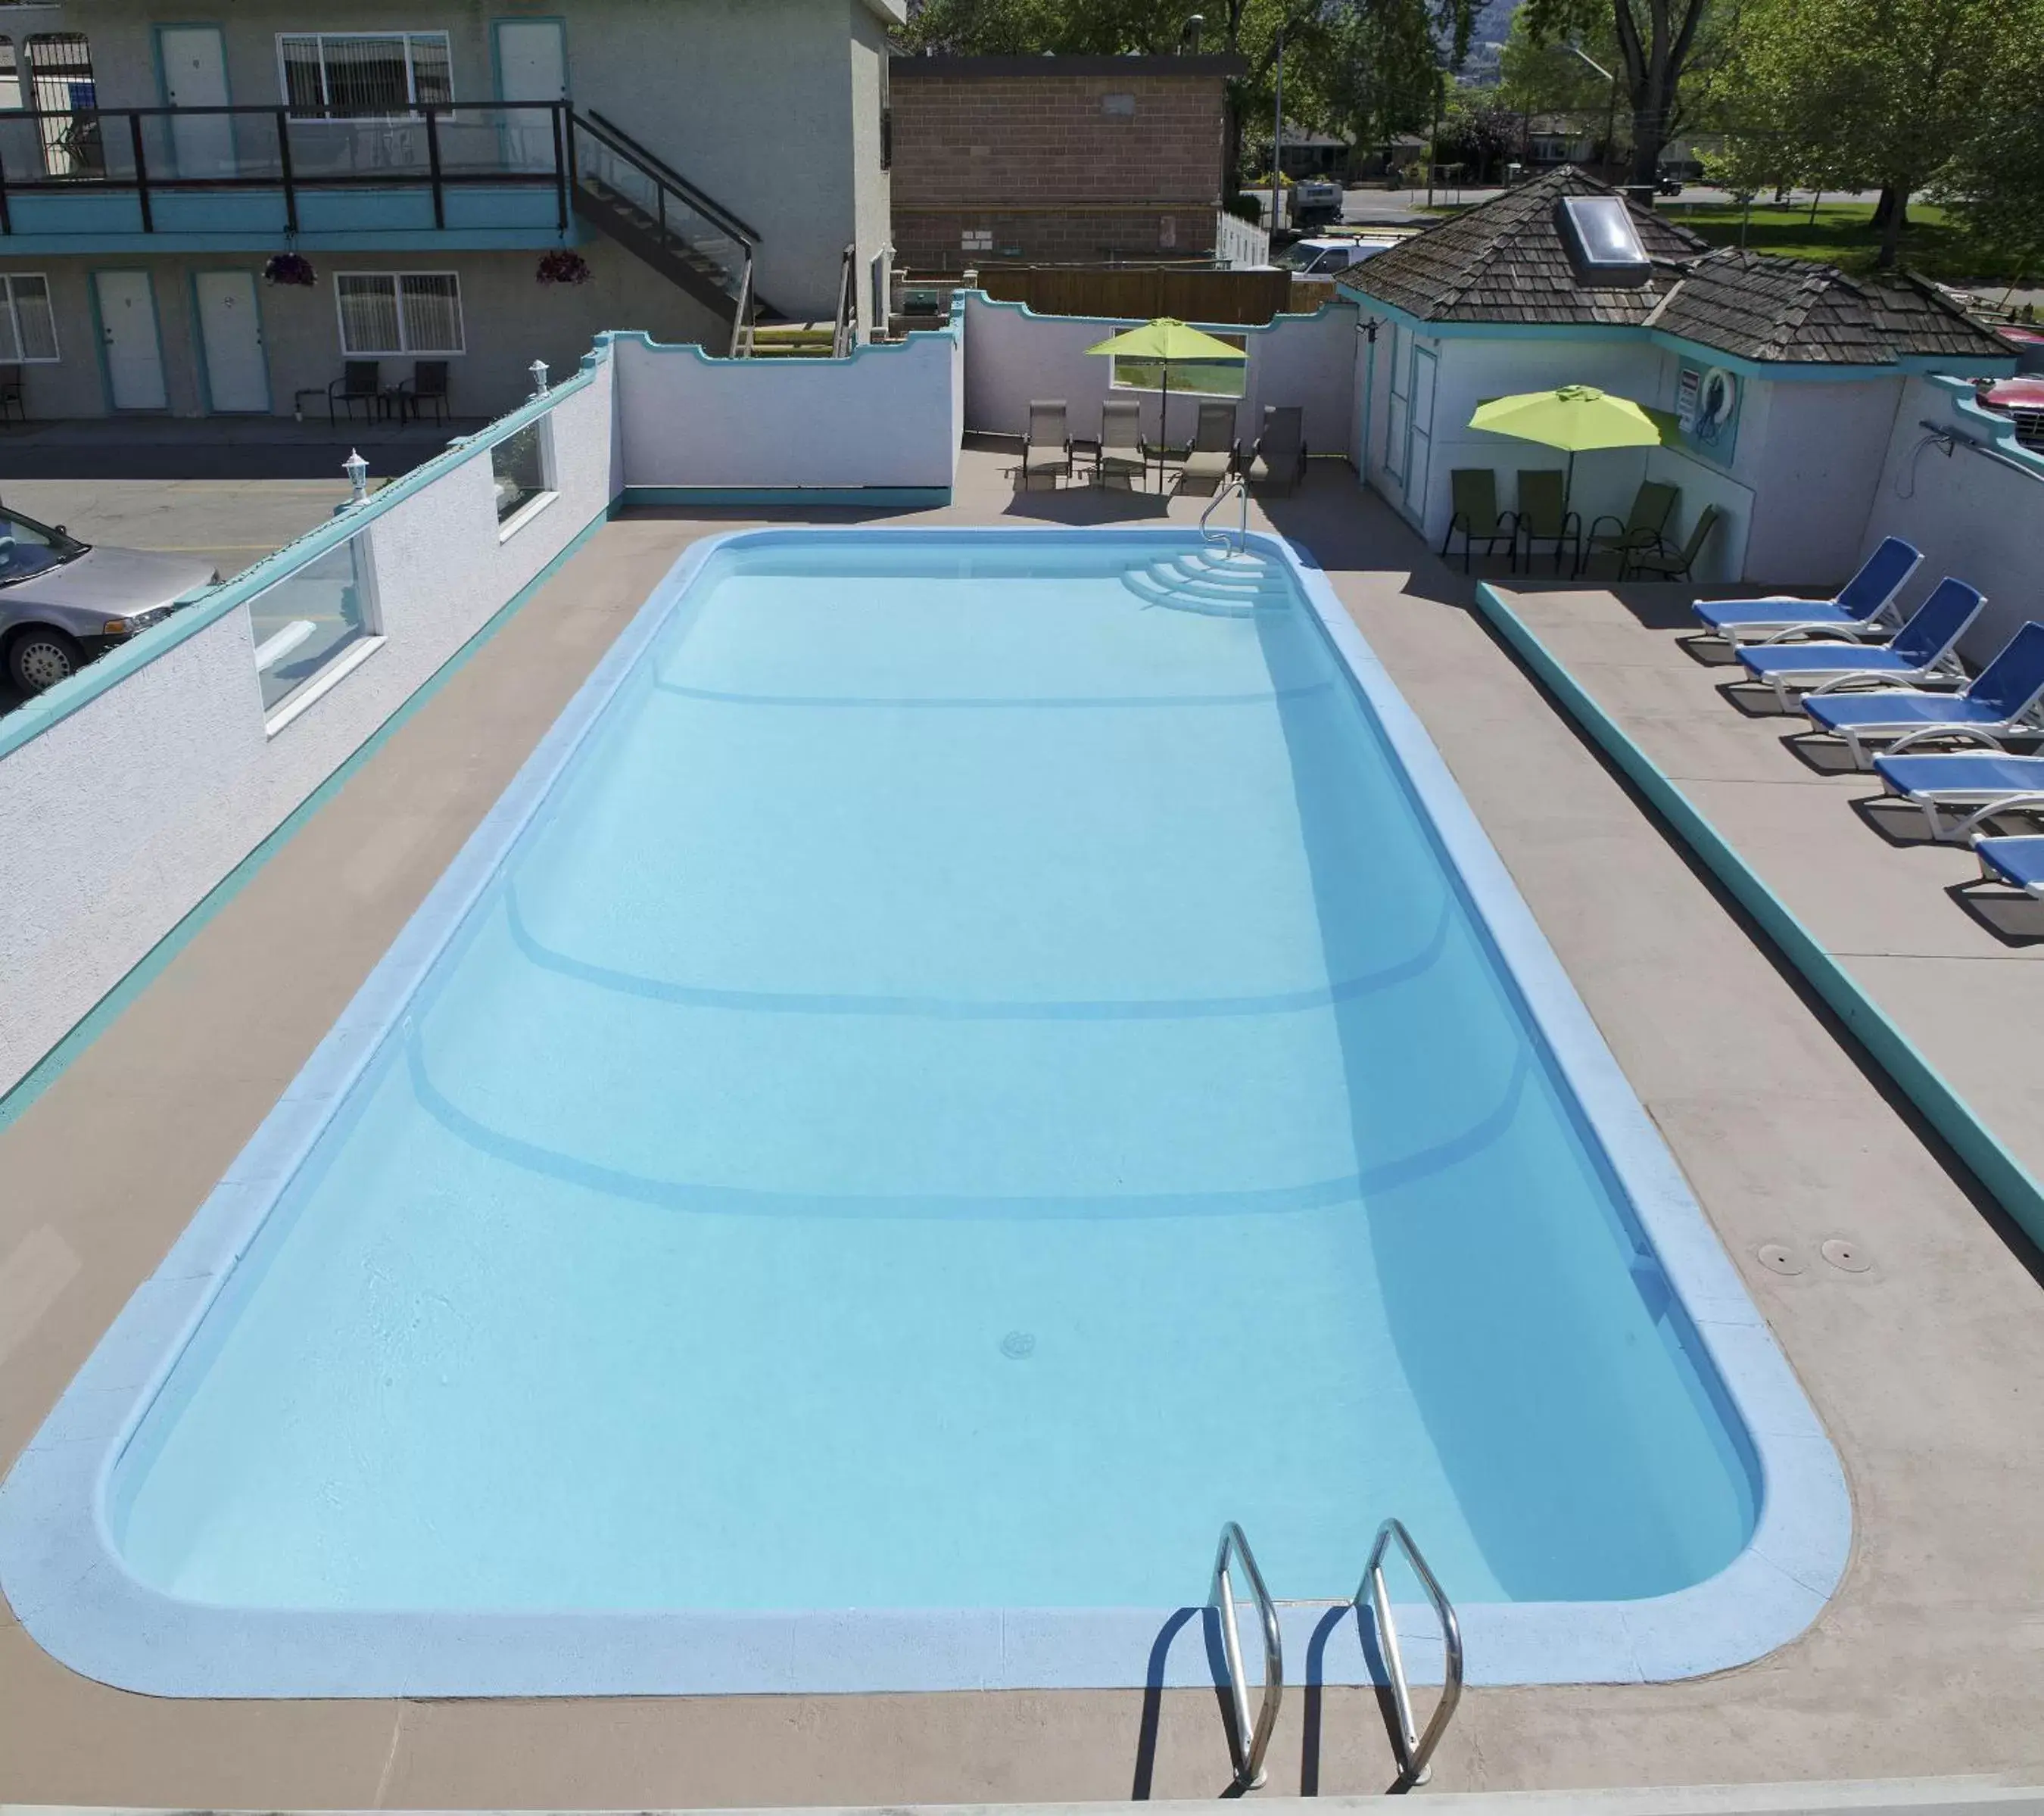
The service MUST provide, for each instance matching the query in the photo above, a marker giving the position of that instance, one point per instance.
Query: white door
(128, 329)
(230, 330)
(195, 75)
(531, 65)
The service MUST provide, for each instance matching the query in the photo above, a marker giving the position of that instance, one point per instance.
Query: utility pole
(1277, 135)
(1433, 139)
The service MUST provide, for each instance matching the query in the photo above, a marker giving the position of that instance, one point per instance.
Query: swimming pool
(966, 1059)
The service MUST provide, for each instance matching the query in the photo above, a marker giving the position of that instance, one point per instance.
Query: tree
(1480, 133)
(1995, 182)
(1536, 77)
(1841, 93)
(1660, 44)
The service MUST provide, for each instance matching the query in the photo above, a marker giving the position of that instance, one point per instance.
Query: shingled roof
(1505, 261)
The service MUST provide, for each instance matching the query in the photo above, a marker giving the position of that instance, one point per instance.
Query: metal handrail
(1247, 1746)
(1414, 1750)
(741, 313)
(844, 329)
(656, 166)
(1238, 485)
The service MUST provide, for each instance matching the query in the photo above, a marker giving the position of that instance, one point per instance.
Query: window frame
(8, 279)
(404, 34)
(397, 279)
(511, 522)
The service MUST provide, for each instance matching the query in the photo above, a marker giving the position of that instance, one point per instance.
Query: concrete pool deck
(1924, 1367)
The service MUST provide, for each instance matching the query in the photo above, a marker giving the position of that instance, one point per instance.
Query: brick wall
(1054, 159)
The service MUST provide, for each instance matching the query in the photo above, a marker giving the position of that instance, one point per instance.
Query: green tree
(1842, 93)
(1544, 76)
(1995, 181)
(1662, 45)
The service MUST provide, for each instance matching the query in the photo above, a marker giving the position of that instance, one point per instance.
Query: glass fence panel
(200, 146)
(309, 617)
(84, 147)
(482, 141)
(518, 464)
(394, 148)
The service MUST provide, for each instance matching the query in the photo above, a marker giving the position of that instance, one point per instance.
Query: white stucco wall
(1016, 355)
(182, 780)
(1815, 471)
(886, 416)
(1972, 517)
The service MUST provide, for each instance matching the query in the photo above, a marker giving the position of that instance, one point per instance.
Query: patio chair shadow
(1707, 651)
(2013, 920)
(1087, 505)
(1825, 756)
(1753, 699)
(1657, 604)
(1898, 821)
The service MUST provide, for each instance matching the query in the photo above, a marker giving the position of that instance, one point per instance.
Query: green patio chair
(1544, 515)
(1667, 563)
(1473, 494)
(1640, 531)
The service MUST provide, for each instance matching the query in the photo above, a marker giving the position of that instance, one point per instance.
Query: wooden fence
(1138, 294)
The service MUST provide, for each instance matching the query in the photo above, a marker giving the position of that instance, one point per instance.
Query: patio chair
(2017, 861)
(427, 385)
(1049, 448)
(1213, 454)
(1667, 563)
(1924, 652)
(1474, 498)
(1279, 457)
(1639, 531)
(1544, 515)
(1864, 607)
(359, 383)
(13, 401)
(1958, 781)
(2002, 701)
(1123, 455)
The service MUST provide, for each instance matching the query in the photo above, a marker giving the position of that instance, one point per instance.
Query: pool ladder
(1247, 1744)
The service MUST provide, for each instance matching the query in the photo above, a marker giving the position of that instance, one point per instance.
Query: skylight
(1603, 243)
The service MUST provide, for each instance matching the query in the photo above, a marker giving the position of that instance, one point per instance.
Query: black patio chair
(359, 383)
(13, 401)
(427, 386)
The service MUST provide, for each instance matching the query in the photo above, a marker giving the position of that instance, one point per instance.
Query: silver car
(63, 601)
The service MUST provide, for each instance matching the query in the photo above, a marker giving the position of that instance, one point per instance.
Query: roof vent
(1603, 244)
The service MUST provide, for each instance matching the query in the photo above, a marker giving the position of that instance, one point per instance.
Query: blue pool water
(978, 1071)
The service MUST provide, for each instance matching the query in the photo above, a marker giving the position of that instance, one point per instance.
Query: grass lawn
(1843, 235)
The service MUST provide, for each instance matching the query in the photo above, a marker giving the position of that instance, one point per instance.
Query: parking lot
(231, 523)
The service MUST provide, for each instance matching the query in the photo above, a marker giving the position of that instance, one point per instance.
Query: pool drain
(1777, 1259)
(1018, 1346)
(1848, 1257)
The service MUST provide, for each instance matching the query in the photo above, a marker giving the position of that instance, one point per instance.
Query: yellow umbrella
(1165, 343)
(1576, 418)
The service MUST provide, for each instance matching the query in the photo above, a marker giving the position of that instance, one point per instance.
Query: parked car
(63, 602)
(1322, 258)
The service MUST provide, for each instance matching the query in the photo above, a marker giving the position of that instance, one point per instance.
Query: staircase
(629, 193)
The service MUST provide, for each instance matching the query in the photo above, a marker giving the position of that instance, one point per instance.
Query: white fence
(1975, 511)
(1240, 244)
(1017, 356)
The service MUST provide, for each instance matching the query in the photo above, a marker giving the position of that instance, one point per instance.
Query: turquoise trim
(483, 217)
(35, 716)
(953, 329)
(1797, 371)
(918, 497)
(2000, 1172)
(1990, 426)
(1204, 327)
(88, 1028)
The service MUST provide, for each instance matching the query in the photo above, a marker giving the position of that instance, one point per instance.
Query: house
(1311, 154)
(413, 166)
(1552, 139)
(1784, 377)
(1056, 159)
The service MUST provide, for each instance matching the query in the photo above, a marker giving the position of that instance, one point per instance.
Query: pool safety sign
(1707, 411)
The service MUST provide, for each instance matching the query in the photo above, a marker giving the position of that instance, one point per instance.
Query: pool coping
(68, 1587)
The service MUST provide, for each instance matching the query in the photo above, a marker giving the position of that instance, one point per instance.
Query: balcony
(226, 179)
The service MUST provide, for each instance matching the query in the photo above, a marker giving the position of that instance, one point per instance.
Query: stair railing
(1237, 486)
(741, 320)
(844, 329)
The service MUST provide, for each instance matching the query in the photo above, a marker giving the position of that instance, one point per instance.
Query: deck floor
(1925, 1367)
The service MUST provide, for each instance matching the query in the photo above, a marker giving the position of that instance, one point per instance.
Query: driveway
(231, 523)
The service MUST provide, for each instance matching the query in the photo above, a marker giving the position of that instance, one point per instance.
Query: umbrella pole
(1163, 423)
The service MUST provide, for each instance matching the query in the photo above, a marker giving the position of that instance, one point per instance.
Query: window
(398, 311)
(28, 328)
(308, 618)
(1198, 378)
(518, 463)
(353, 73)
(28, 548)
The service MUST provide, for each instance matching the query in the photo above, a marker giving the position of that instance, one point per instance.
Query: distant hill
(1493, 25)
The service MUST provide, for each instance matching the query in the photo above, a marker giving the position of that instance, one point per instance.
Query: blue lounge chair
(1864, 608)
(1959, 780)
(1922, 654)
(2001, 702)
(2018, 862)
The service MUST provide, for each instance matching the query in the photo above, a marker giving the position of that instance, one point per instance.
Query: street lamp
(1610, 113)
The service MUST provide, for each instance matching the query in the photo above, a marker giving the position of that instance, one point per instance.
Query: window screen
(28, 326)
(365, 73)
(399, 312)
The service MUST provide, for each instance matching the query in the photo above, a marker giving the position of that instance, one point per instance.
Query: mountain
(1493, 25)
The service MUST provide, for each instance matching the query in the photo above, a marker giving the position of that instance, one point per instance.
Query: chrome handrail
(741, 315)
(1248, 1747)
(1414, 1750)
(1238, 486)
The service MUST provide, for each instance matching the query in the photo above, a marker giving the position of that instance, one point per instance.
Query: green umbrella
(1165, 343)
(1577, 418)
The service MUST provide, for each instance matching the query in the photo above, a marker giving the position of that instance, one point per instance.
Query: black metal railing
(148, 151)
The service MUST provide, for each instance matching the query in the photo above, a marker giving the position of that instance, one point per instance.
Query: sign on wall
(1707, 400)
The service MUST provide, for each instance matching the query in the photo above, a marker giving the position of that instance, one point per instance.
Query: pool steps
(1201, 582)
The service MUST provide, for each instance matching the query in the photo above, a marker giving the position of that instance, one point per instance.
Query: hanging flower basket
(564, 267)
(289, 268)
